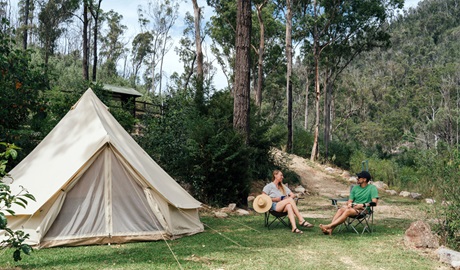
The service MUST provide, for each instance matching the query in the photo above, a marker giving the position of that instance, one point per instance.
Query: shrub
(14, 239)
(303, 142)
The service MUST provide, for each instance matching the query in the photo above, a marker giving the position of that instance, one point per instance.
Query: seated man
(360, 195)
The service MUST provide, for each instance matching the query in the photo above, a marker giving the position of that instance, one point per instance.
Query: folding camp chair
(364, 220)
(275, 218)
(336, 201)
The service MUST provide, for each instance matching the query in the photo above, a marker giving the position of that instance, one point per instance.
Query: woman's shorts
(273, 206)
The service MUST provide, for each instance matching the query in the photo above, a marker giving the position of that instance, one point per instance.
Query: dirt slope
(314, 177)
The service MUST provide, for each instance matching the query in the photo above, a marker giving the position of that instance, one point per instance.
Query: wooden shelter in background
(125, 95)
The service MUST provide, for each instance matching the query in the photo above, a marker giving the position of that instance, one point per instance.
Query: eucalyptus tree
(94, 7)
(158, 18)
(199, 78)
(141, 48)
(338, 32)
(26, 14)
(112, 45)
(289, 73)
(241, 92)
(51, 16)
(222, 32)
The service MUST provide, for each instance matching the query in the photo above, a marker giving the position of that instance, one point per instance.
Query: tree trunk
(314, 150)
(26, 24)
(85, 41)
(261, 52)
(307, 92)
(199, 94)
(288, 74)
(95, 11)
(327, 115)
(316, 56)
(199, 51)
(242, 69)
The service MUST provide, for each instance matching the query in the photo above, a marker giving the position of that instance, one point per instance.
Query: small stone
(220, 215)
(242, 212)
(404, 194)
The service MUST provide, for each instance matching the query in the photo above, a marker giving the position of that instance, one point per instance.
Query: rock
(353, 180)
(232, 206)
(430, 201)
(455, 265)
(251, 198)
(404, 194)
(419, 235)
(299, 189)
(391, 192)
(449, 256)
(346, 174)
(415, 195)
(329, 169)
(380, 185)
(242, 212)
(220, 214)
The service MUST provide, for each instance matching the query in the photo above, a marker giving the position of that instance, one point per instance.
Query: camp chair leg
(366, 221)
(277, 217)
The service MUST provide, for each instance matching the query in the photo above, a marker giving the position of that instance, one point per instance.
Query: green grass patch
(243, 243)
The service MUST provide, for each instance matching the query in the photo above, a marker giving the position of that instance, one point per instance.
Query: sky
(128, 8)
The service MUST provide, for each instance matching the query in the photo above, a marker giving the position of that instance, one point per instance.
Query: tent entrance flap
(84, 211)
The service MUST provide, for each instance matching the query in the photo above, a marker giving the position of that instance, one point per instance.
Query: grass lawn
(244, 243)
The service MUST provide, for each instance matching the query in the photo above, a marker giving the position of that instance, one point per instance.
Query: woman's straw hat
(262, 203)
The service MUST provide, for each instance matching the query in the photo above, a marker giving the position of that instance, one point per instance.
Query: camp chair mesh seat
(274, 218)
(363, 221)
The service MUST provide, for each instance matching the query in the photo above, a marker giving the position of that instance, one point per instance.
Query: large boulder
(419, 235)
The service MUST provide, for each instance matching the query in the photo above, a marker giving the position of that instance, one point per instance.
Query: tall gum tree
(340, 31)
(241, 96)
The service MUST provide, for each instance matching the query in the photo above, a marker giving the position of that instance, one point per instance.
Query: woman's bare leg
(282, 207)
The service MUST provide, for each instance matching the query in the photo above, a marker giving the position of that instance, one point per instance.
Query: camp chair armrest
(372, 204)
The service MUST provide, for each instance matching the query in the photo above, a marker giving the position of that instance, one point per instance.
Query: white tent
(94, 184)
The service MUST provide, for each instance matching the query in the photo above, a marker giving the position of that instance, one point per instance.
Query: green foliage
(20, 85)
(303, 142)
(14, 239)
(441, 175)
(202, 151)
(340, 153)
(277, 134)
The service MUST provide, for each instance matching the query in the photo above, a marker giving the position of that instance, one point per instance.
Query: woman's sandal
(297, 231)
(306, 224)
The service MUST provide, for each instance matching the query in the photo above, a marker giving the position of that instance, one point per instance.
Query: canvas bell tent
(94, 184)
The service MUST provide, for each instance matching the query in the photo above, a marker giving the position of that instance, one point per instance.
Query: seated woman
(283, 201)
